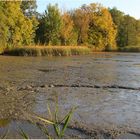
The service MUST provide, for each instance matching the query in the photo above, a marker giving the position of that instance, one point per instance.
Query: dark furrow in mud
(98, 86)
(31, 87)
(28, 87)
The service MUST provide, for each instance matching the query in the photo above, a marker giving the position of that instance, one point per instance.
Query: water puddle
(12, 128)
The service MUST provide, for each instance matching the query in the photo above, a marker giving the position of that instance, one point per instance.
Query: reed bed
(48, 51)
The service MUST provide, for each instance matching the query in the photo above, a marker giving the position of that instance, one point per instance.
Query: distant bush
(130, 49)
(48, 51)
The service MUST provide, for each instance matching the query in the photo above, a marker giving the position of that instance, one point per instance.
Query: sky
(131, 7)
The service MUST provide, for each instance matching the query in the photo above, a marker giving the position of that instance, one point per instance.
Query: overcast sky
(131, 7)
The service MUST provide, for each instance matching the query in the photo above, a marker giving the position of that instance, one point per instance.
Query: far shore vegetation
(48, 51)
(89, 28)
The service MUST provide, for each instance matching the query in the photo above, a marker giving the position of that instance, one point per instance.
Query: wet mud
(104, 87)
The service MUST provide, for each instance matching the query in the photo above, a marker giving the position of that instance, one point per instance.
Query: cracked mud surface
(105, 88)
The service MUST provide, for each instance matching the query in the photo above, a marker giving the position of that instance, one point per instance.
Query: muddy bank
(104, 87)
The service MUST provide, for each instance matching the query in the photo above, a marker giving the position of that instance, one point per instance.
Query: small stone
(16, 114)
(28, 87)
(36, 90)
(46, 86)
(6, 93)
(8, 89)
(10, 112)
(51, 86)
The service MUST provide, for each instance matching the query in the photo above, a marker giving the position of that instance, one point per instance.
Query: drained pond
(104, 88)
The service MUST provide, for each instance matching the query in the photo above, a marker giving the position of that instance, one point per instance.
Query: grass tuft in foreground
(59, 126)
(48, 51)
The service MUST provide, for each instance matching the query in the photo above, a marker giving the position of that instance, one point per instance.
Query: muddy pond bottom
(104, 87)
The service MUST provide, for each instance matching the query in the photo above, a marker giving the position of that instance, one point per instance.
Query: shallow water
(104, 87)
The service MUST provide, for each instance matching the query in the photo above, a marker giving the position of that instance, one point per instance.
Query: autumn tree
(95, 27)
(29, 10)
(68, 34)
(3, 28)
(102, 30)
(16, 28)
(81, 23)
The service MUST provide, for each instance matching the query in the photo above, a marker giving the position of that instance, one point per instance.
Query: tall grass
(48, 51)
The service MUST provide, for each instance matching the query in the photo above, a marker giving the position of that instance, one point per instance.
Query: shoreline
(59, 51)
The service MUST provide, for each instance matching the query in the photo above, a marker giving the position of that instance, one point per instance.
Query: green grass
(48, 51)
(23, 134)
(59, 126)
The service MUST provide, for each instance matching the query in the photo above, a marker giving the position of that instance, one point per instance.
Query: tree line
(91, 25)
(128, 28)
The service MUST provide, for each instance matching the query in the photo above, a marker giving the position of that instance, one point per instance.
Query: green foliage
(29, 8)
(128, 29)
(50, 26)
